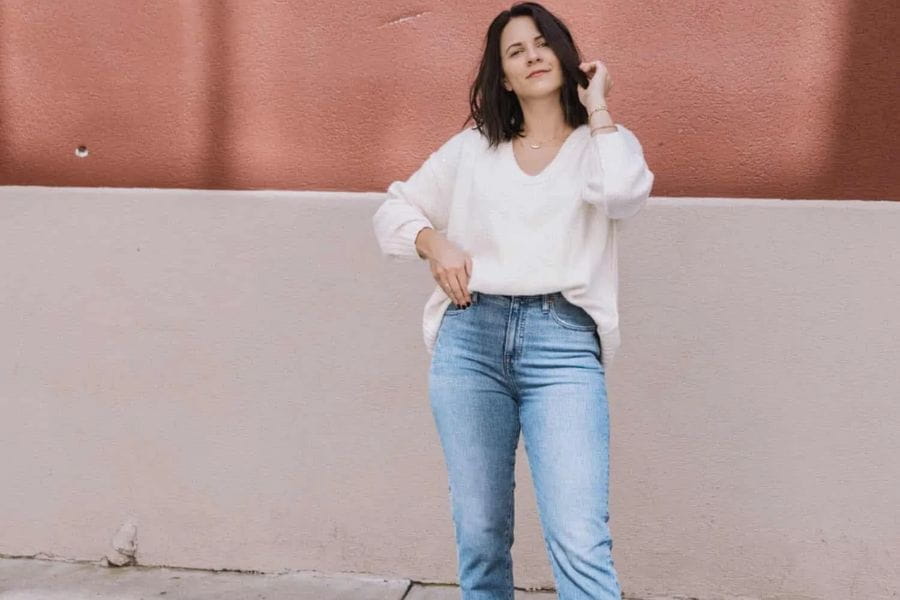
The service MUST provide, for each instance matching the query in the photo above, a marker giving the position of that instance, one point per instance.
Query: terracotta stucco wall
(739, 99)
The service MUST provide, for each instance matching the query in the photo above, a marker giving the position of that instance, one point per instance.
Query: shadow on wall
(865, 107)
(216, 171)
(4, 158)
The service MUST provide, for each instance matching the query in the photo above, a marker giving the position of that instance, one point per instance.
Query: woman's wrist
(421, 242)
(599, 118)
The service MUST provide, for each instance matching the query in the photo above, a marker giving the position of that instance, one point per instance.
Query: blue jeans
(533, 362)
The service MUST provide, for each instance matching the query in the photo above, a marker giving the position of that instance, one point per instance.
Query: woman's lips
(537, 74)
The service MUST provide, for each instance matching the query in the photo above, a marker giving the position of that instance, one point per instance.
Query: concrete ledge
(241, 375)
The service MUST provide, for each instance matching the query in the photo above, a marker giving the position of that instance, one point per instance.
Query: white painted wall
(243, 375)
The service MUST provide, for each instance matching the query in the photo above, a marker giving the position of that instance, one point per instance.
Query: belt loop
(474, 297)
(546, 302)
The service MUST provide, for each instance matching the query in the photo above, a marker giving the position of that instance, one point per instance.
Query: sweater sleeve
(619, 180)
(420, 201)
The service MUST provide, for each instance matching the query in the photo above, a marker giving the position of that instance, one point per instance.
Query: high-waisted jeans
(529, 362)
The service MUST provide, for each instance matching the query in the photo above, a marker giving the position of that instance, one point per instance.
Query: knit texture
(526, 234)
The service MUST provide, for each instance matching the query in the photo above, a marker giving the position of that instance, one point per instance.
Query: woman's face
(523, 51)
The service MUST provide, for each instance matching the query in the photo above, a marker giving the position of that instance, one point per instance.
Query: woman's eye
(514, 52)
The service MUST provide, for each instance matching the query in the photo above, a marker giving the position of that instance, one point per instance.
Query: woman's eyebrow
(520, 43)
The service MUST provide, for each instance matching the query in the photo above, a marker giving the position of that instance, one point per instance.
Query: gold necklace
(540, 144)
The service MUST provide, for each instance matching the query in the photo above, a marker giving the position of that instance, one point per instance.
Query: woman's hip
(509, 333)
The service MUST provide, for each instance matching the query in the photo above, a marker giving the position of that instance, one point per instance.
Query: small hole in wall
(81, 151)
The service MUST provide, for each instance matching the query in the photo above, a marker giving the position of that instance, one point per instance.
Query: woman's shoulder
(465, 141)
(469, 136)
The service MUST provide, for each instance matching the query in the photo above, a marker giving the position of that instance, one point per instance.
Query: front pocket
(452, 310)
(571, 316)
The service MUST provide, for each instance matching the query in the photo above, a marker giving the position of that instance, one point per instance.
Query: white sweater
(554, 231)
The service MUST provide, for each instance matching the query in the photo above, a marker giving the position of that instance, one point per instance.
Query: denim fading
(532, 364)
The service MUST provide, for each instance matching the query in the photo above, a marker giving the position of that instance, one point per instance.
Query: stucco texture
(730, 99)
(243, 375)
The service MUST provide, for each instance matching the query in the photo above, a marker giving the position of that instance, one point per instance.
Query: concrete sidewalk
(37, 579)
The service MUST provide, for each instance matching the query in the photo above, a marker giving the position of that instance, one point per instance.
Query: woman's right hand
(451, 267)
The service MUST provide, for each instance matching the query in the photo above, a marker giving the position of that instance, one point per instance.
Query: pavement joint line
(44, 556)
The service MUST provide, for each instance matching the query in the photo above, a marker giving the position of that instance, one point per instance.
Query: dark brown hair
(494, 109)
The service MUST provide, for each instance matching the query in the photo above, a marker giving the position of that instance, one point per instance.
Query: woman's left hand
(599, 84)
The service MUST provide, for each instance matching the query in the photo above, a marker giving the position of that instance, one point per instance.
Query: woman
(517, 217)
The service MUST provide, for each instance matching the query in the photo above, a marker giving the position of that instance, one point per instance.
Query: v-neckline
(540, 176)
